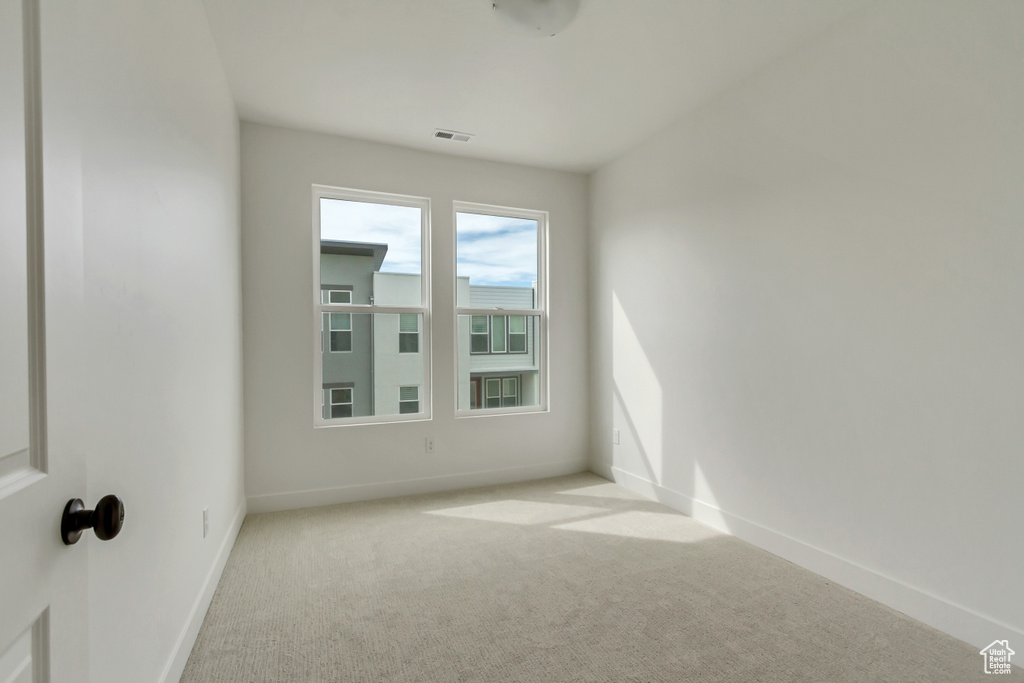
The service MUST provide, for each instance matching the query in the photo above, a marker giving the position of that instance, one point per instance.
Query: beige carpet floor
(566, 579)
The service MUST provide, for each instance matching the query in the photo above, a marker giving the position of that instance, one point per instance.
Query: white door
(43, 583)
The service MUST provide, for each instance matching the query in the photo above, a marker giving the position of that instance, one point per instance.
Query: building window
(517, 334)
(479, 338)
(501, 309)
(498, 334)
(376, 326)
(498, 392)
(338, 402)
(408, 333)
(340, 332)
(509, 392)
(492, 393)
(408, 400)
(335, 296)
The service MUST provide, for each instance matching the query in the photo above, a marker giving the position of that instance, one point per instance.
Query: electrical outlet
(615, 437)
(206, 521)
(429, 445)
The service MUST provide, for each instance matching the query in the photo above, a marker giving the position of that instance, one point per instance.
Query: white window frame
(540, 313)
(423, 204)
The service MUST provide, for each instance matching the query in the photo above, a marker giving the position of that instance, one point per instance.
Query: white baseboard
(944, 615)
(293, 500)
(183, 648)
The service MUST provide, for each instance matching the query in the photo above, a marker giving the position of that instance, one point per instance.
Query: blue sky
(396, 226)
(495, 250)
(492, 250)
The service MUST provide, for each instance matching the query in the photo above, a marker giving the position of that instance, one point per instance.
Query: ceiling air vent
(452, 135)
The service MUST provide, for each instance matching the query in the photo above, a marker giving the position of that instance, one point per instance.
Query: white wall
(291, 464)
(807, 312)
(162, 398)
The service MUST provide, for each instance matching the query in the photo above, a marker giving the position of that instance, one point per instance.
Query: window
(517, 334)
(479, 336)
(335, 296)
(499, 392)
(340, 328)
(498, 334)
(492, 395)
(338, 402)
(408, 400)
(371, 256)
(509, 391)
(408, 333)
(501, 309)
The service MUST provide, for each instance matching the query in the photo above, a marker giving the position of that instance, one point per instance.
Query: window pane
(498, 255)
(479, 343)
(479, 324)
(497, 334)
(341, 321)
(517, 343)
(408, 393)
(341, 342)
(409, 322)
(374, 248)
(344, 410)
(517, 324)
(509, 388)
(493, 387)
(370, 254)
(408, 343)
(375, 364)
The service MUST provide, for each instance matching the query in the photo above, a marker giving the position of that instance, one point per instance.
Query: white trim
(35, 234)
(541, 312)
(190, 631)
(945, 615)
(365, 309)
(426, 397)
(292, 500)
(497, 312)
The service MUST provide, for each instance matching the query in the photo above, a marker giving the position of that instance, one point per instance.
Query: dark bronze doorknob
(106, 520)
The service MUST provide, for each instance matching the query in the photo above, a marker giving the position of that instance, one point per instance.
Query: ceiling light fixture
(537, 17)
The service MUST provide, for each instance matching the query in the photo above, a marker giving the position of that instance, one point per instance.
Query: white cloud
(495, 250)
(396, 226)
(492, 250)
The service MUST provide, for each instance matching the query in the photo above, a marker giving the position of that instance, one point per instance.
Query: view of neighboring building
(373, 363)
(498, 363)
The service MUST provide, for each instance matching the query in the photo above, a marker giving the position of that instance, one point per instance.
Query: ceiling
(395, 70)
